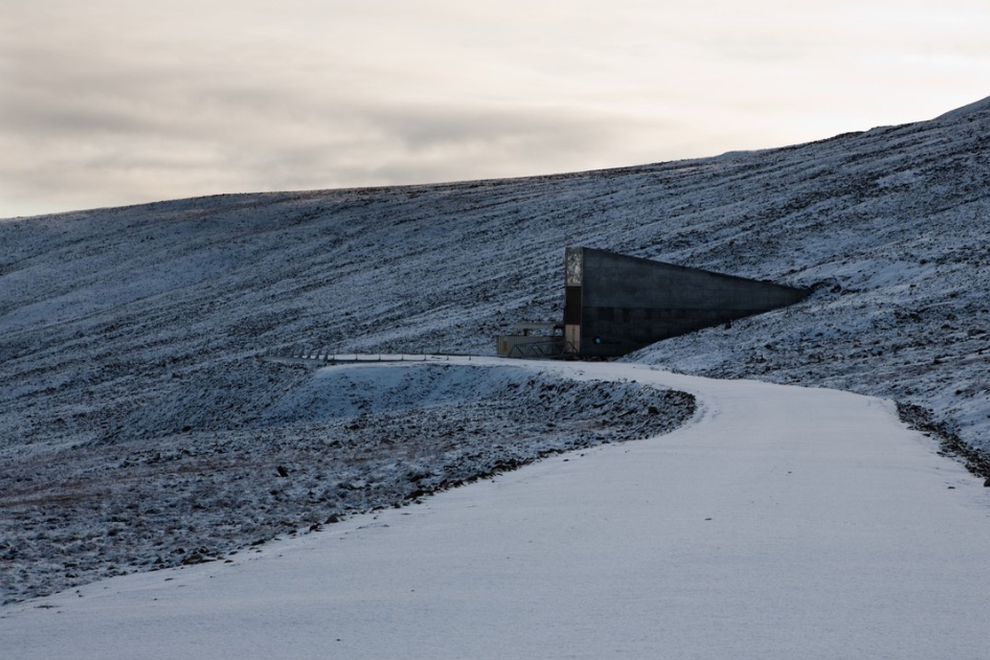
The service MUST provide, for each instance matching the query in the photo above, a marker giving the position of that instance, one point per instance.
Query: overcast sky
(111, 102)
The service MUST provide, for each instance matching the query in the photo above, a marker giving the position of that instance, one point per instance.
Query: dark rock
(196, 558)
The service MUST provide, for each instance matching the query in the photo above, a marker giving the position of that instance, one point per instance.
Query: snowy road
(782, 523)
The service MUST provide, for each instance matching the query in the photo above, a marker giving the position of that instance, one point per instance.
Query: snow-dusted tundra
(141, 429)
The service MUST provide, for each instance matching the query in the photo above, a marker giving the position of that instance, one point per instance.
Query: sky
(114, 102)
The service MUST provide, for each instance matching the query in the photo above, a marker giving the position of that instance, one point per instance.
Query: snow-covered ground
(343, 440)
(140, 428)
(782, 522)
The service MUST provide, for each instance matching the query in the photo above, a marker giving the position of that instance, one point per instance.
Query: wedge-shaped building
(615, 304)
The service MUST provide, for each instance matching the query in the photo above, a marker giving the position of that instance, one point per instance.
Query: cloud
(111, 102)
(127, 120)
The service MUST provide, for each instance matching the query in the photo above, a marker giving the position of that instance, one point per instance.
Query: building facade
(615, 304)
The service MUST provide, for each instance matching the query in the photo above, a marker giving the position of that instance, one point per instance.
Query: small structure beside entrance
(533, 340)
(615, 304)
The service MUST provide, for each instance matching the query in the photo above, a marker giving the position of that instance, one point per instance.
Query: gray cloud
(90, 123)
(111, 102)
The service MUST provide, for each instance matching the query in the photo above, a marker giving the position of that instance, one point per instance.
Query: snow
(781, 522)
(334, 442)
(143, 430)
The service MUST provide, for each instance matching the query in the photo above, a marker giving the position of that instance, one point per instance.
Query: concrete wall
(615, 304)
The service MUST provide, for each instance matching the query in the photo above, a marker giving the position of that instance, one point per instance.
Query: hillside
(102, 311)
(137, 325)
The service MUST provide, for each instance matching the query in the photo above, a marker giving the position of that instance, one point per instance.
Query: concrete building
(615, 304)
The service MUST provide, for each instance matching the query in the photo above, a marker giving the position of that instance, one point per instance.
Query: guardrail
(328, 356)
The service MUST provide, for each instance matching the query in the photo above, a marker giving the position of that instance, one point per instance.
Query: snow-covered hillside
(340, 441)
(133, 327)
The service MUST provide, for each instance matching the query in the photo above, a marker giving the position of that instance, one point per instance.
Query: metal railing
(301, 353)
